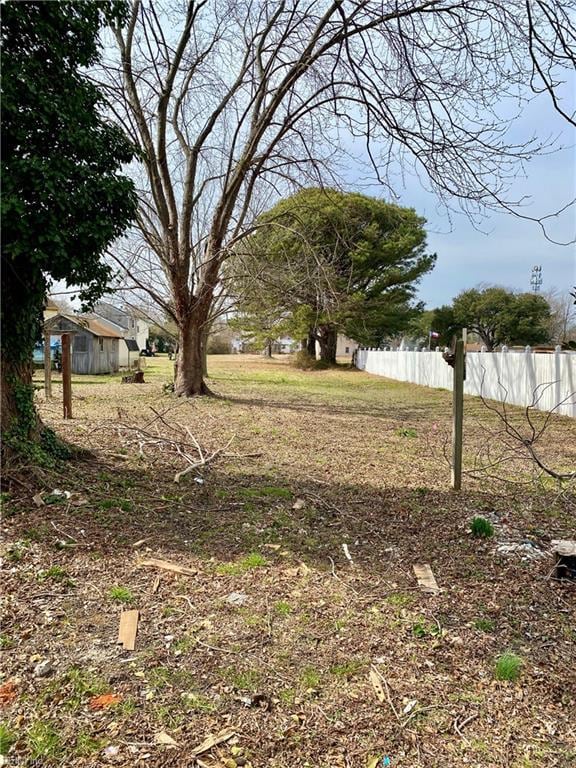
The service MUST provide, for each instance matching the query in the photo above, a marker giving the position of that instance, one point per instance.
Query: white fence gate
(544, 381)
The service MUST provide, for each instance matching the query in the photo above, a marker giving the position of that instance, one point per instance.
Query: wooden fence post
(457, 415)
(66, 376)
(47, 367)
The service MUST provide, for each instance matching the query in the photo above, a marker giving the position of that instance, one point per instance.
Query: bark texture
(327, 338)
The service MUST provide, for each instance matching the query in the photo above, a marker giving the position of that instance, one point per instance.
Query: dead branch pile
(152, 442)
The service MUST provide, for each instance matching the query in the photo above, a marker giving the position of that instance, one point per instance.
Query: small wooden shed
(95, 346)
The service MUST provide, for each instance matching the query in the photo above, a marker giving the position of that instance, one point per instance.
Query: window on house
(80, 343)
(347, 350)
(101, 344)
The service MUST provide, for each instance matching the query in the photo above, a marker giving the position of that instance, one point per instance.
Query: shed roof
(61, 324)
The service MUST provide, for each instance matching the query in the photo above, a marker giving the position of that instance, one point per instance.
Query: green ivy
(64, 198)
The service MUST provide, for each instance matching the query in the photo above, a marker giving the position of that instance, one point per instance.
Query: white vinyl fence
(544, 381)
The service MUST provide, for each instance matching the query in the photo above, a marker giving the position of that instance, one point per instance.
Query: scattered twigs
(62, 532)
(459, 725)
(151, 441)
(204, 460)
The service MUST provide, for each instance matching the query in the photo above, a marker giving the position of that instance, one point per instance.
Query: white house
(134, 330)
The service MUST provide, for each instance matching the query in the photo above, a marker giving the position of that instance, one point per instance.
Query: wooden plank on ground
(128, 629)
(426, 579)
(166, 565)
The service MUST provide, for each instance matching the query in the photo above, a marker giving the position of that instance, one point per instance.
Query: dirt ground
(300, 638)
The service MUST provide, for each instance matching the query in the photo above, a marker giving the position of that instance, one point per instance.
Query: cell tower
(536, 279)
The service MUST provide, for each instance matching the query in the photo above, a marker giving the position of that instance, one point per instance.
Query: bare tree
(562, 317)
(235, 103)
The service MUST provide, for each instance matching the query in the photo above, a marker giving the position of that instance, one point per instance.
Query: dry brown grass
(289, 669)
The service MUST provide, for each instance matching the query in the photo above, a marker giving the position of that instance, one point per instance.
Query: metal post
(458, 413)
(47, 367)
(66, 376)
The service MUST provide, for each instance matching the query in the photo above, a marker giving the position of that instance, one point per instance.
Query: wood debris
(213, 741)
(426, 579)
(377, 685)
(128, 629)
(164, 738)
(166, 565)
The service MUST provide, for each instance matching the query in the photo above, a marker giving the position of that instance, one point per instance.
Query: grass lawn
(301, 637)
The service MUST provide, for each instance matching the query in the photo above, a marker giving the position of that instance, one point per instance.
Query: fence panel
(545, 381)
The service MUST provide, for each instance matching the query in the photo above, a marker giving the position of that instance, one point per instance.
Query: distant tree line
(498, 316)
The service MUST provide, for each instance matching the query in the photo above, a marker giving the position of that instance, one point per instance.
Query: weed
(7, 738)
(265, 490)
(35, 534)
(400, 599)
(423, 629)
(310, 678)
(87, 745)
(120, 594)
(406, 432)
(185, 644)
(5, 642)
(481, 528)
(124, 505)
(165, 677)
(287, 696)
(169, 610)
(55, 573)
(169, 716)
(282, 608)
(348, 669)
(82, 683)
(126, 707)
(195, 702)
(44, 741)
(339, 624)
(484, 625)
(243, 680)
(508, 666)
(252, 560)
(16, 552)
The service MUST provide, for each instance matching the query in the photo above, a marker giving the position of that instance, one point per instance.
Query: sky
(505, 248)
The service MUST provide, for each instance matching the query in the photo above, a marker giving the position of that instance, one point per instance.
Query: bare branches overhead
(233, 104)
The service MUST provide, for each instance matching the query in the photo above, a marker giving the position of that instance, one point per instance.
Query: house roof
(61, 324)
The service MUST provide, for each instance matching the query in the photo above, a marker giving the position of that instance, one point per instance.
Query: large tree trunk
(328, 339)
(205, 334)
(267, 351)
(189, 373)
(17, 401)
(311, 344)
